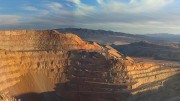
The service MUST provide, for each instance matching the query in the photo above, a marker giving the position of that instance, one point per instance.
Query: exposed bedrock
(50, 66)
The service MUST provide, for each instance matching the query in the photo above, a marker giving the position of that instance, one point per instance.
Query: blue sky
(131, 16)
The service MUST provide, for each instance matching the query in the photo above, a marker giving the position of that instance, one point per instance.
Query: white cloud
(30, 8)
(57, 9)
(81, 8)
(84, 10)
(150, 5)
(9, 19)
(54, 6)
(45, 12)
(100, 1)
(133, 6)
(74, 1)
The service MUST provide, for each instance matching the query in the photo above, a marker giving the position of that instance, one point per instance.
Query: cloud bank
(132, 16)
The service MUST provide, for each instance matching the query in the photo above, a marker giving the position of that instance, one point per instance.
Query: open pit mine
(47, 65)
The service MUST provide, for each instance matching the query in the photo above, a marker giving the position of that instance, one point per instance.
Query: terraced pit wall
(47, 65)
(50, 66)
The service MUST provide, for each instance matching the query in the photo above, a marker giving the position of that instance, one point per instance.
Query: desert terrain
(47, 65)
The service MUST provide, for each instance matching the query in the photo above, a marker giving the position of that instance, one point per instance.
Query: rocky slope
(154, 82)
(152, 50)
(50, 66)
(108, 37)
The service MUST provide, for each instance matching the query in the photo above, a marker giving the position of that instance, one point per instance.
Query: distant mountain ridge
(147, 49)
(166, 36)
(107, 37)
